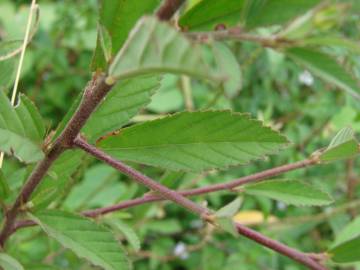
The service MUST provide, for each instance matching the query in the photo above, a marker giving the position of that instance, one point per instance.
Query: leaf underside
(84, 237)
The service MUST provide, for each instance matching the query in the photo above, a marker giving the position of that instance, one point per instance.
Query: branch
(208, 189)
(93, 95)
(203, 212)
(161, 190)
(237, 34)
(168, 9)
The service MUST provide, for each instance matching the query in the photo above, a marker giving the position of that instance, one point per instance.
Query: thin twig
(168, 9)
(161, 190)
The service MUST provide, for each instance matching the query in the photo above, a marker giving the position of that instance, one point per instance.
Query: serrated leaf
(84, 237)
(4, 188)
(342, 146)
(206, 14)
(126, 231)
(156, 47)
(228, 64)
(290, 192)
(326, 68)
(230, 209)
(120, 105)
(195, 141)
(118, 18)
(273, 12)
(351, 230)
(21, 129)
(346, 252)
(9, 263)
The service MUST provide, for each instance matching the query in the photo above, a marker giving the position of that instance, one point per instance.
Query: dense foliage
(222, 90)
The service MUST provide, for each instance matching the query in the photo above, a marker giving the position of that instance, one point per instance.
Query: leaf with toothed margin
(156, 47)
(195, 141)
(84, 237)
(290, 192)
(21, 129)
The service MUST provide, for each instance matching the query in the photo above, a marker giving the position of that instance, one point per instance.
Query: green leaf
(326, 68)
(9, 263)
(4, 188)
(84, 237)
(342, 146)
(155, 47)
(120, 105)
(290, 192)
(228, 225)
(342, 42)
(124, 101)
(105, 42)
(272, 12)
(230, 209)
(350, 231)
(228, 64)
(195, 141)
(125, 230)
(118, 18)
(21, 129)
(207, 14)
(346, 252)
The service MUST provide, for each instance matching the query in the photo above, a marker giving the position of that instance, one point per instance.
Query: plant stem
(207, 189)
(93, 95)
(168, 9)
(161, 190)
(203, 212)
(279, 247)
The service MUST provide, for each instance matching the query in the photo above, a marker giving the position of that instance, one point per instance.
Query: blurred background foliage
(273, 88)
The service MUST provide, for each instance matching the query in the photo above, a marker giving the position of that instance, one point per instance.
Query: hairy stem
(93, 95)
(260, 176)
(203, 212)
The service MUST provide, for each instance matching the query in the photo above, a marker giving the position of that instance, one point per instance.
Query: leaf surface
(156, 47)
(326, 68)
(346, 252)
(118, 17)
(84, 237)
(9, 263)
(290, 192)
(195, 141)
(21, 129)
(207, 14)
(342, 146)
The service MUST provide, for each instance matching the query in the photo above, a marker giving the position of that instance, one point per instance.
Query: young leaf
(195, 141)
(205, 15)
(350, 231)
(290, 192)
(105, 42)
(121, 104)
(228, 64)
(268, 12)
(126, 230)
(342, 146)
(155, 47)
(21, 129)
(326, 68)
(9, 263)
(118, 18)
(230, 209)
(84, 237)
(228, 225)
(346, 252)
